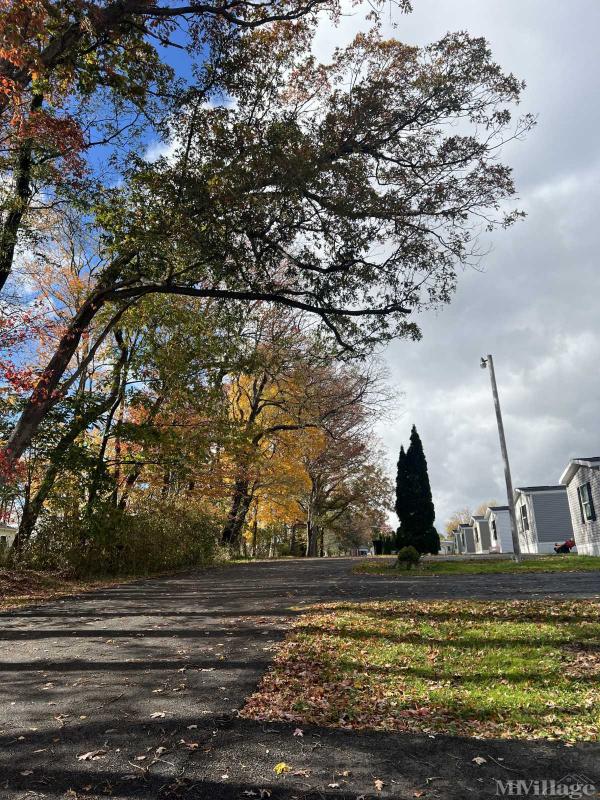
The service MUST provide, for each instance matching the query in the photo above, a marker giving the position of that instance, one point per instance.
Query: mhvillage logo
(572, 786)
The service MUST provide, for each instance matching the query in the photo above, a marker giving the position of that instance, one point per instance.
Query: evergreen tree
(401, 485)
(414, 503)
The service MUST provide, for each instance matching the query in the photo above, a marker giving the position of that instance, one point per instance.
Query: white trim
(573, 468)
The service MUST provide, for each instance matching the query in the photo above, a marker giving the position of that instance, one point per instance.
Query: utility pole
(488, 362)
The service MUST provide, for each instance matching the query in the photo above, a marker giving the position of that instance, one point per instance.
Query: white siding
(586, 533)
(7, 536)
(503, 544)
(527, 538)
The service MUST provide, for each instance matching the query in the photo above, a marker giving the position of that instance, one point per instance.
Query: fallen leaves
(378, 784)
(479, 760)
(157, 715)
(93, 755)
(281, 768)
(419, 667)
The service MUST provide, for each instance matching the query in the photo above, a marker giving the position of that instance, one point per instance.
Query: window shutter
(580, 504)
(591, 502)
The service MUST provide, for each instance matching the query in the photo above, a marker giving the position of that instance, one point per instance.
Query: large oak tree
(349, 190)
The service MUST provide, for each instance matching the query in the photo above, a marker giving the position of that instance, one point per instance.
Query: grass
(512, 669)
(550, 563)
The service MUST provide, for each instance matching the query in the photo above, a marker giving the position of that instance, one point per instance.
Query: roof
(477, 517)
(532, 489)
(498, 508)
(464, 525)
(592, 461)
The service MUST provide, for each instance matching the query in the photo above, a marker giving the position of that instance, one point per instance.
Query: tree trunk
(118, 453)
(240, 503)
(118, 393)
(22, 194)
(312, 530)
(34, 505)
(135, 473)
(255, 531)
(312, 547)
(44, 395)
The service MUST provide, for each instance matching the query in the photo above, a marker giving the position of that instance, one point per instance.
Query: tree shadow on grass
(466, 642)
(517, 614)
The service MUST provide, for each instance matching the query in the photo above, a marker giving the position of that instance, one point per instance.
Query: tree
(286, 197)
(460, 517)
(483, 507)
(80, 76)
(417, 512)
(401, 485)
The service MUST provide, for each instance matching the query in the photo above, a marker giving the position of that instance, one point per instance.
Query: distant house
(7, 536)
(447, 545)
(455, 537)
(543, 518)
(582, 481)
(465, 539)
(498, 519)
(481, 532)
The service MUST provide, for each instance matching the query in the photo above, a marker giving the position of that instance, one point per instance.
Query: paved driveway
(133, 692)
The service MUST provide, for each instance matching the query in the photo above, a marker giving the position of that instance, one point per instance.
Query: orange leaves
(59, 133)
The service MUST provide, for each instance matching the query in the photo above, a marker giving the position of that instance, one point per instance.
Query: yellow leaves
(281, 768)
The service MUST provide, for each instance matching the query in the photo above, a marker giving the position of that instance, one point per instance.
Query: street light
(488, 362)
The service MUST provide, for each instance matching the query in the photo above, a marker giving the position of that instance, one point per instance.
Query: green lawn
(512, 669)
(551, 563)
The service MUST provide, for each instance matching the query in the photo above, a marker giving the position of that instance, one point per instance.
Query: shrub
(158, 537)
(408, 557)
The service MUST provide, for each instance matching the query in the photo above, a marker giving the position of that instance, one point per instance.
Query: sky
(534, 302)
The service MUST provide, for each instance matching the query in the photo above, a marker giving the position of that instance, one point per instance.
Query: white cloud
(535, 305)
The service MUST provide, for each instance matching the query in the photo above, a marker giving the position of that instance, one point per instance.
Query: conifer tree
(414, 503)
(401, 485)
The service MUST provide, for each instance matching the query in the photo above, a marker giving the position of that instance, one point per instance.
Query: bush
(156, 538)
(408, 557)
(425, 541)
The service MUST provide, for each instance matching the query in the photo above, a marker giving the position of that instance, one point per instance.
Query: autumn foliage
(187, 331)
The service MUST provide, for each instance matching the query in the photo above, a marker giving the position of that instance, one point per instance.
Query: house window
(524, 518)
(2, 540)
(494, 531)
(586, 505)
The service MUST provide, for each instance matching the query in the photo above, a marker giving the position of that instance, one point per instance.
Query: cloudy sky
(536, 303)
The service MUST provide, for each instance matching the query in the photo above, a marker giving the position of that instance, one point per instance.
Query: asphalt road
(133, 692)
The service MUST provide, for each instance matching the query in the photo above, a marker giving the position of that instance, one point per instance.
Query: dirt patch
(24, 587)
